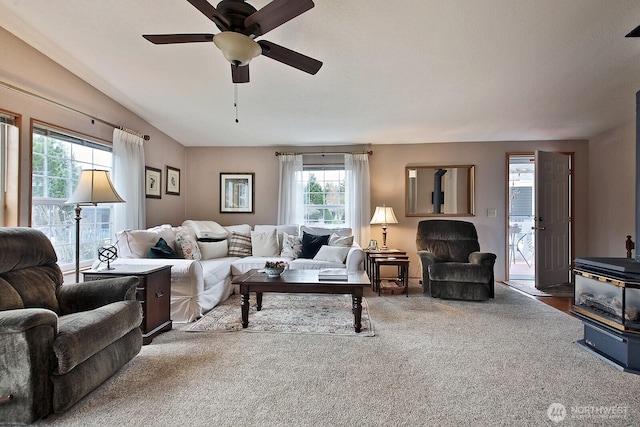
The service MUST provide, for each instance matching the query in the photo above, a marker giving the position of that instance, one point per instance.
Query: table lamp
(93, 187)
(384, 215)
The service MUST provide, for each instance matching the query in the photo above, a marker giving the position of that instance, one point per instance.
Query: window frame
(331, 207)
(93, 221)
(6, 119)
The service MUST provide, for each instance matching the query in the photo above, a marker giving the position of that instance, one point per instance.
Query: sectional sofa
(206, 257)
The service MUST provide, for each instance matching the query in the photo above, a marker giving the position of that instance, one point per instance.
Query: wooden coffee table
(301, 282)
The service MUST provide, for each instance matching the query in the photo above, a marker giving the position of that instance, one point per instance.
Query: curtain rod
(57, 104)
(322, 153)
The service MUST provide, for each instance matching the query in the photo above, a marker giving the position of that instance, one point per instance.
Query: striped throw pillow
(239, 244)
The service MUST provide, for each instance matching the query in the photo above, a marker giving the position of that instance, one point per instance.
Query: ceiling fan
(634, 33)
(240, 24)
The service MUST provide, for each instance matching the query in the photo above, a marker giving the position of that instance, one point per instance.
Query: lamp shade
(384, 215)
(94, 187)
(236, 47)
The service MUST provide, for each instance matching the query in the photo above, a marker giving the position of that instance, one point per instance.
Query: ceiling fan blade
(211, 12)
(240, 74)
(289, 57)
(178, 38)
(634, 33)
(275, 14)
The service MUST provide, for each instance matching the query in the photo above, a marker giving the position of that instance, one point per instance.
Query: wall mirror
(440, 190)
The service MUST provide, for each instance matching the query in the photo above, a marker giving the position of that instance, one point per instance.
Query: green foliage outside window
(324, 196)
(56, 167)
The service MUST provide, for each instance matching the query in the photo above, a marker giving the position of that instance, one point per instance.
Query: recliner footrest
(459, 272)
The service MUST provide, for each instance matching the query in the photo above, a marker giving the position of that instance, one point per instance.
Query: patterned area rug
(528, 286)
(288, 313)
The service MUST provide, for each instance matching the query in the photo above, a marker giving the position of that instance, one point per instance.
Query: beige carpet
(288, 313)
(503, 362)
(528, 286)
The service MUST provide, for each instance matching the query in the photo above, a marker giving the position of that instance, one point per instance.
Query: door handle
(537, 228)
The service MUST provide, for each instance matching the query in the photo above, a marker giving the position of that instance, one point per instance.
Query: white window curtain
(357, 196)
(128, 179)
(290, 202)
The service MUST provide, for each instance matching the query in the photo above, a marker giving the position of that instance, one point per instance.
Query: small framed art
(152, 183)
(173, 181)
(236, 192)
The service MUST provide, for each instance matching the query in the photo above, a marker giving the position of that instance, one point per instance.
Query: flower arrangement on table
(274, 268)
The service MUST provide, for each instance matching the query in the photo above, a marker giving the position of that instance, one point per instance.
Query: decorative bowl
(274, 272)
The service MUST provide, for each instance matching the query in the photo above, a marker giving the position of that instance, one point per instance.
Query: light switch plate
(492, 213)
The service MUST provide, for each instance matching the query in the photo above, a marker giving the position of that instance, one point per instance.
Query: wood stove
(607, 296)
(607, 300)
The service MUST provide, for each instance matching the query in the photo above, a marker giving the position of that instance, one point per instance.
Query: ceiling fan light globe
(237, 48)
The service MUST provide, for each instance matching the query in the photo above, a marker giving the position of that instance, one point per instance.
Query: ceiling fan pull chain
(235, 100)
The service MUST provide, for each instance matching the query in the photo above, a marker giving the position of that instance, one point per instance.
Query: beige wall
(612, 191)
(605, 164)
(26, 68)
(387, 186)
(203, 179)
(202, 182)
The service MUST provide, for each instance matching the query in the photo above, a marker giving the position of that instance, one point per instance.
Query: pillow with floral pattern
(291, 246)
(189, 246)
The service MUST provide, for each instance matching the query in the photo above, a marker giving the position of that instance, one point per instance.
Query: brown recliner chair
(57, 342)
(452, 265)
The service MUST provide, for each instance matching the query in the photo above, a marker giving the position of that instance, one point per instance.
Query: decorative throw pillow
(332, 253)
(311, 244)
(213, 250)
(337, 240)
(240, 244)
(265, 244)
(280, 230)
(162, 250)
(291, 246)
(189, 246)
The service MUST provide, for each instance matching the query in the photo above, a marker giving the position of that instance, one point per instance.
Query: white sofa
(198, 285)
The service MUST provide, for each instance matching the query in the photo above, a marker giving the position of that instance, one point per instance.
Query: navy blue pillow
(162, 250)
(311, 244)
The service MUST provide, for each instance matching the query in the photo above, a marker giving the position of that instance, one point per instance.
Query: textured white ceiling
(409, 71)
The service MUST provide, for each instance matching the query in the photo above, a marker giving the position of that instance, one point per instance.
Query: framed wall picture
(236, 192)
(152, 183)
(173, 181)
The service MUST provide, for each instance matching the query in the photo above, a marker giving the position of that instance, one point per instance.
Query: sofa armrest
(23, 319)
(484, 258)
(76, 297)
(355, 258)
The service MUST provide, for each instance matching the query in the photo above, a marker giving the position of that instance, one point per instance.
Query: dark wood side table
(153, 292)
(369, 254)
(402, 262)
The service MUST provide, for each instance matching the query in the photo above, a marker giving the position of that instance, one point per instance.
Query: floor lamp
(93, 187)
(384, 215)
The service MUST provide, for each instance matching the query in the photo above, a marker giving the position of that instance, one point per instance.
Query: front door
(552, 218)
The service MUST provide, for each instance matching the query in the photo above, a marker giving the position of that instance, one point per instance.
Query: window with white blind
(58, 158)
